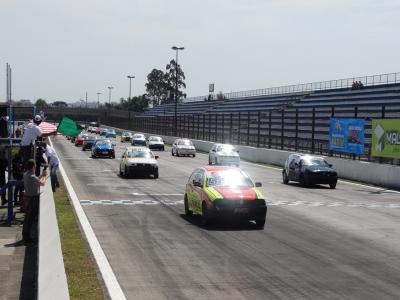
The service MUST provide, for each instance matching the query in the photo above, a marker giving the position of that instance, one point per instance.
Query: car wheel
(177, 153)
(188, 212)
(156, 174)
(163, 149)
(205, 215)
(126, 174)
(172, 152)
(112, 156)
(285, 178)
(260, 223)
(194, 155)
(332, 185)
(209, 161)
(120, 171)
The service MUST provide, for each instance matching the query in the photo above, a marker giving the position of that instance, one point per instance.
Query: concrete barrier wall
(52, 280)
(372, 173)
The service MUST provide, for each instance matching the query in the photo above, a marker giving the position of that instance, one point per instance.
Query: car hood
(139, 139)
(185, 147)
(231, 154)
(235, 193)
(104, 147)
(140, 160)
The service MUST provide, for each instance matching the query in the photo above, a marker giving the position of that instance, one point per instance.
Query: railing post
(296, 141)
(269, 129)
(223, 128)
(282, 127)
(216, 128)
(248, 128)
(313, 131)
(209, 127)
(204, 125)
(239, 120)
(258, 128)
(230, 128)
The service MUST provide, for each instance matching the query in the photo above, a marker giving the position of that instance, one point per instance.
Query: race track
(318, 243)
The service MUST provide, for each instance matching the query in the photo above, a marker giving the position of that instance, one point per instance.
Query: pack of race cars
(218, 190)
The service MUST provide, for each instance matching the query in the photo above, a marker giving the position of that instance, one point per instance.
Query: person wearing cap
(32, 184)
(31, 133)
(53, 162)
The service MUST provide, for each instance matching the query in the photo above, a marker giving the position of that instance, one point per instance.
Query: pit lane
(317, 243)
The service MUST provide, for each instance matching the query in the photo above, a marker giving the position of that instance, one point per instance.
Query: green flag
(69, 127)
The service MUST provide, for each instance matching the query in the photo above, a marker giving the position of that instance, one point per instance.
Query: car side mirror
(330, 165)
(156, 157)
(258, 184)
(196, 183)
(213, 150)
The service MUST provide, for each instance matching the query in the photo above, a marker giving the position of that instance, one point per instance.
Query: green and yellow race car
(218, 192)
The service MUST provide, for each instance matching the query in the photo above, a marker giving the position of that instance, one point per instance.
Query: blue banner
(346, 135)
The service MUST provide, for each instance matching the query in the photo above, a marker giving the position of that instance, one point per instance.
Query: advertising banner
(346, 135)
(386, 138)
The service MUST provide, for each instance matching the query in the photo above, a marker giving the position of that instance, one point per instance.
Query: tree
(137, 103)
(60, 104)
(156, 86)
(220, 96)
(174, 70)
(41, 103)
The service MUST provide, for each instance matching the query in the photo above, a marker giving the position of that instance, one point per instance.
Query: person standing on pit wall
(31, 133)
(53, 162)
(32, 184)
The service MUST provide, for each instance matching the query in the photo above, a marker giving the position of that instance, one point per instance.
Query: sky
(60, 49)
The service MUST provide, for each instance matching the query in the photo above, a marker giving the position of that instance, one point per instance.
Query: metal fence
(294, 129)
(369, 80)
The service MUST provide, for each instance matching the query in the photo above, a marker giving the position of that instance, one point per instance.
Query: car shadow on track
(221, 225)
(137, 176)
(311, 186)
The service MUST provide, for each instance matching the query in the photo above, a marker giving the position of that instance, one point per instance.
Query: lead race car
(216, 192)
(136, 160)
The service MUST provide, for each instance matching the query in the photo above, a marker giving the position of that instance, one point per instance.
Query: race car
(103, 148)
(309, 169)
(155, 142)
(126, 136)
(183, 147)
(138, 160)
(79, 139)
(110, 133)
(88, 142)
(223, 154)
(218, 192)
(138, 139)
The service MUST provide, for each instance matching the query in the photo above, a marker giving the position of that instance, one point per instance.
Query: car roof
(219, 168)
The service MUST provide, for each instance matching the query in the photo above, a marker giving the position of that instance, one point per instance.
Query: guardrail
(368, 80)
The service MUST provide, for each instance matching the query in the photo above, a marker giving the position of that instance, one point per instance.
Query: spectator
(360, 85)
(31, 133)
(32, 185)
(354, 86)
(18, 174)
(53, 162)
(3, 167)
(17, 132)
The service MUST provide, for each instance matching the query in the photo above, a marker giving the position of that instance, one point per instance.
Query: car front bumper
(250, 210)
(142, 168)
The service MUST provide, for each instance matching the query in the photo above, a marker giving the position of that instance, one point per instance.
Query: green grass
(79, 265)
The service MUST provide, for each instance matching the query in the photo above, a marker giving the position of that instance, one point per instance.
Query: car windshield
(313, 161)
(103, 143)
(111, 131)
(228, 178)
(155, 139)
(126, 133)
(138, 136)
(226, 149)
(185, 143)
(139, 153)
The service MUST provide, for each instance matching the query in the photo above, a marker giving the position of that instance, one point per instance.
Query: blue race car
(111, 133)
(103, 148)
(139, 139)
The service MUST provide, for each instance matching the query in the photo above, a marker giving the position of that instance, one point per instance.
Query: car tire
(120, 171)
(112, 156)
(172, 152)
(163, 149)
(156, 174)
(205, 215)
(126, 174)
(209, 161)
(194, 155)
(332, 185)
(285, 178)
(177, 153)
(260, 223)
(188, 212)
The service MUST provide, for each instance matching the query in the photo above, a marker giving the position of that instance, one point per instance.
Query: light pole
(176, 88)
(109, 95)
(98, 100)
(130, 85)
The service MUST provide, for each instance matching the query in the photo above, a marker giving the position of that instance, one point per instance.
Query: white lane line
(138, 194)
(109, 278)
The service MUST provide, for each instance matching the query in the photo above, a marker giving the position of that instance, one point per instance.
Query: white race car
(138, 160)
(224, 154)
(182, 147)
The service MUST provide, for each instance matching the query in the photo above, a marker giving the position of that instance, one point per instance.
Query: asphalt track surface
(318, 243)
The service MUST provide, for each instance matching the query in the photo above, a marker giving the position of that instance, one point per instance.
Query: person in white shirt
(53, 162)
(31, 133)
